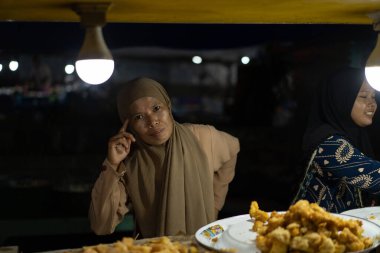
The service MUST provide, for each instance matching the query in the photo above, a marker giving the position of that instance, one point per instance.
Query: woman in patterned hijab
(174, 175)
(331, 113)
(340, 158)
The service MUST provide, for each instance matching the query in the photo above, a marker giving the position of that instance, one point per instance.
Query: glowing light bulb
(94, 71)
(372, 68)
(95, 64)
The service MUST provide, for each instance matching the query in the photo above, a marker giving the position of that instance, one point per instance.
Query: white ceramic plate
(229, 233)
(236, 233)
(370, 213)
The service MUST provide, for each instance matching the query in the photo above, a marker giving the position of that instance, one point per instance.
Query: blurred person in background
(40, 77)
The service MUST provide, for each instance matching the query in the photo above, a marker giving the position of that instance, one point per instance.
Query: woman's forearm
(108, 202)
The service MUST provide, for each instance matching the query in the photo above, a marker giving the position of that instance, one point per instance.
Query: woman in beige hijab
(174, 175)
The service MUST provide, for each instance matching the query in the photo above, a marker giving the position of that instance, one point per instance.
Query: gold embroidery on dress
(317, 169)
(364, 181)
(321, 194)
(341, 189)
(344, 152)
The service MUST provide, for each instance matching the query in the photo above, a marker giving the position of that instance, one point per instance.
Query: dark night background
(52, 146)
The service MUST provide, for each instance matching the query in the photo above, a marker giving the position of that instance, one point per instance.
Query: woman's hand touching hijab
(119, 145)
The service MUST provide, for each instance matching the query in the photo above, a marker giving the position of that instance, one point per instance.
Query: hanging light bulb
(372, 67)
(94, 63)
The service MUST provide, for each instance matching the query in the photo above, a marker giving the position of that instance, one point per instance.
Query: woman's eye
(156, 108)
(138, 117)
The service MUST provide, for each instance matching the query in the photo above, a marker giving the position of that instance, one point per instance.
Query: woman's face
(151, 120)
(365, 106)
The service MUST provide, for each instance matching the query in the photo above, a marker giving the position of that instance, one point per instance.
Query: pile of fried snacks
(306, 227)
(156, 245)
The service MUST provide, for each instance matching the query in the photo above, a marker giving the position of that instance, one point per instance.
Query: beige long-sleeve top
(109, 196)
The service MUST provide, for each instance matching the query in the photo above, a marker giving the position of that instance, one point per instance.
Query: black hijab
(331, 112)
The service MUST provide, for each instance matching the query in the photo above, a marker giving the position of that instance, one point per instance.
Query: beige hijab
(170, 186)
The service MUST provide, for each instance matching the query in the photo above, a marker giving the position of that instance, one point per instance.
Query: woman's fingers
(119, 148)
(123, 131)
(124, 142)
(121, 142)
(129, 136)
(119, 145)
(125, 126)
(124, 135)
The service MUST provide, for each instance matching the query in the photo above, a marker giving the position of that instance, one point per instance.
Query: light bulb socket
(91, 14)
(93, 18)
(375, 16)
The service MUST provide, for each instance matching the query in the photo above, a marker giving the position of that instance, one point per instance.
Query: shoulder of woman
(205, 130)
(208, 133)
(335, 145)
(335, 138)
(199, 128)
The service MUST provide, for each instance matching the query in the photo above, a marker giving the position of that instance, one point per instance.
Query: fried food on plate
(306, 227)
(129, 245)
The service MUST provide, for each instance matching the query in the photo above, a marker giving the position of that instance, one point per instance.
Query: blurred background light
(245, 60)
(13, 65)
(69, 69)
(197, 59)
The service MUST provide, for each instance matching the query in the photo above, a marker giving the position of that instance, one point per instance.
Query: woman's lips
(156, 132)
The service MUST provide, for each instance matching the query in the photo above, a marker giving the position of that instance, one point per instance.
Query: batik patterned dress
(337, 174)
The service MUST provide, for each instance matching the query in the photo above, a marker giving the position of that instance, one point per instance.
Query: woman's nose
(371, 102)
(152, 122)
